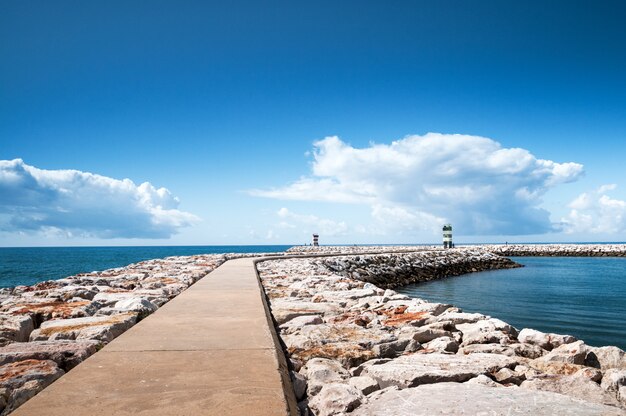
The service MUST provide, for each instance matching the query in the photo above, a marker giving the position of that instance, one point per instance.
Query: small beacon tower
(316, 239)
(447, 236)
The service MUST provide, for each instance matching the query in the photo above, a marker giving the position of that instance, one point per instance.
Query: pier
(209, 351)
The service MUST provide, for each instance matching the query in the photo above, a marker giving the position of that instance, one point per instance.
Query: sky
(206, 123)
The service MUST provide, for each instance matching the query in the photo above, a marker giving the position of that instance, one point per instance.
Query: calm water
(580, 296)
(29, 265)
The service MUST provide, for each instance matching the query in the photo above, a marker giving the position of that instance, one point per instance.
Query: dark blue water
(29, 265)
(580, 296)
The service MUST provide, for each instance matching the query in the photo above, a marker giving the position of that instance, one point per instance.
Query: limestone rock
(390, 349)
(143, 307)
(543, 340)
(24, 379)
(413, 370)
(365, 385)
(613, 379)
(432, 308)
(610, 357)
(285, 310)
(484, 381)
(442, 345)
(426, 334)
(508, 376)
(573, 353)
(66, 354)
(487, 348)
(486, 332)
(322, 371)
(15, 328)
(475, 399)
(300, 321)
(100, 328)
(336, 399)
(578, 387)
(527, 350)
(461, 317)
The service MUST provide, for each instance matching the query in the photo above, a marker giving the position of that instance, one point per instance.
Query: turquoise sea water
(580, 296)
(29, 265)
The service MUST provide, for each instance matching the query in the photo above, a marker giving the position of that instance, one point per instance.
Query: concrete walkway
(209, 351)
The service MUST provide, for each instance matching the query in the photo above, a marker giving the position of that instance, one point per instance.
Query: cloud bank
(595, 212)
(82, 203)
(421, 181)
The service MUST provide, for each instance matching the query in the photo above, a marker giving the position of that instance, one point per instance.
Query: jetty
(209, 351)
(313, 331)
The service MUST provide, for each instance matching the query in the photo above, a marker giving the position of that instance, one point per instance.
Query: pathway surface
(209, 351)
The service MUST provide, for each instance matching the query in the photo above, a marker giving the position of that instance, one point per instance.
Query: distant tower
(315, 239)
(447, 236)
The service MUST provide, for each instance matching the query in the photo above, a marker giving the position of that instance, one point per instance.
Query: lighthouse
(316, 239)
(447, 236)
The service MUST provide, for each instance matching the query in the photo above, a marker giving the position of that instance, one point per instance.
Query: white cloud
(595, 212)
(312, 223)
(422, 181)
(81, 203)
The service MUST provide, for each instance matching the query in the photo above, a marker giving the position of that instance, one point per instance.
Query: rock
(322, 371)
(589, 373)
(426, 334)
(527, 350)
(285, 310)
(543, 340)
(487, 348)
(432, 308)
(299, 384)
(390, 349)
(335, 398)
(483, 380)
(66, 354)
(556, 368)
(485, 332)
(461, 317)
(24, 379)
(15, 328)
(572, 353)
(613, 379)
(476, 399)
(413, 370)
(442, 345)
(143, 307)
(508, 376)
(348, 343)
(573, 386)
(300, 321)
(609, 357)
(100, 328)
(365, 385)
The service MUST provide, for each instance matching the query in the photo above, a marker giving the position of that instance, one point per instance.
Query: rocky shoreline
(558, 250)
(354, 346)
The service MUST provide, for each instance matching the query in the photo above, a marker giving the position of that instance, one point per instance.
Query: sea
(580, 296)
(29, 265)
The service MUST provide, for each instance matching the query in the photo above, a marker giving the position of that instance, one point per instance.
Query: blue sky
(267, 121)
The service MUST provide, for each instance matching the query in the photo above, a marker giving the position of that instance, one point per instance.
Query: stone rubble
(362, 348)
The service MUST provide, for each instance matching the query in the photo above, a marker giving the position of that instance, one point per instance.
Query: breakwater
(389, 270)
(355, 346)
(558, 250)
(49, 328)
(339, 325)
